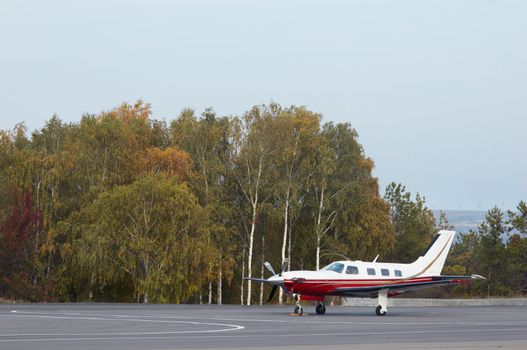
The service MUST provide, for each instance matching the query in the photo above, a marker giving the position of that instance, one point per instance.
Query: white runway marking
(122, 318)
(318, 320)
(324, 320)
(275, 335)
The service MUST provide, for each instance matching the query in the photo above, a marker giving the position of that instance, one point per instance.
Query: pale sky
(436, 89)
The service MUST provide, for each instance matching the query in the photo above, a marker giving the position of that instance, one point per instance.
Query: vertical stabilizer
(431, 263)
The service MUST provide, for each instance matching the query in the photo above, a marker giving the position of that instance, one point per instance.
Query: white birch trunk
(243, 275)
(261, 286)
(319, 233)
(219, 291)
(318, 252)
(210, 293)
(262, 270)
(250, 256)
(289, 245)
(254, 203)
(284, 241)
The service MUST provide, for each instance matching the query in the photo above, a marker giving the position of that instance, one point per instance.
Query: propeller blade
(269, 267)
(273, 291)
(284, 266)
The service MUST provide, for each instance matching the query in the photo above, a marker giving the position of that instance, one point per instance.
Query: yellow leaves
(48, 246)
(128, 123)
(298, 131)
(66, 250)
(152, 230)
(170, 161)
(127, 113)
(366, 164)
(118, 193)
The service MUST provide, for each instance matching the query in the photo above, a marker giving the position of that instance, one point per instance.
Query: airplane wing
(261, 280)
(403, 286)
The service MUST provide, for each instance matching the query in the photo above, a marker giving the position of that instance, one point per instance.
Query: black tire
(379, 312)
(320, 309)
(297, 309)
(300, 311)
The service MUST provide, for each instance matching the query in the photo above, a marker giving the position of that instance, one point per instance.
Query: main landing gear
(379, 311)
(320, 309)
(382, 308)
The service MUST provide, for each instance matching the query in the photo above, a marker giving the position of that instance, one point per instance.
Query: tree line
(123, 207)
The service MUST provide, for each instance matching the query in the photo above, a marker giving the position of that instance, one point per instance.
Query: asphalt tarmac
(132, 326)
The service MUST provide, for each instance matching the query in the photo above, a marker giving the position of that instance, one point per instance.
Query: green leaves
(413, 222)
(153, 231)
(518, 219)
(497, 250)
(130, 209)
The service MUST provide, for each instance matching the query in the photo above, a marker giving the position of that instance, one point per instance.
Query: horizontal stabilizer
(478, 277)
(456, 277)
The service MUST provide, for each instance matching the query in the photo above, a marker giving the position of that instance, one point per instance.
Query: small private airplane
(367, 279)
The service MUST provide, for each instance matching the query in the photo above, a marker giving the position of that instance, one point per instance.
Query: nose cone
(276, 279)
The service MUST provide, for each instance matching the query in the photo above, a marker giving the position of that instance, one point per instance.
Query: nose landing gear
(298, 310)
(381, 309)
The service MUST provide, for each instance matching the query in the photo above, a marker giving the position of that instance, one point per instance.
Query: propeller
(282, 269)
(269, 267)
(273, 292)
(284, 266)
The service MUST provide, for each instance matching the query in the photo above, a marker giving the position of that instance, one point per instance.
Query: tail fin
(431, 263)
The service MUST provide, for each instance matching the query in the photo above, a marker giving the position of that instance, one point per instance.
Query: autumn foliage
(170, 161)
(120, 206)
(17, 255)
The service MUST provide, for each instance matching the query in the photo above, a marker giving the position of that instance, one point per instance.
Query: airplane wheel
(299, 311)
(379, 312)
(320, 309)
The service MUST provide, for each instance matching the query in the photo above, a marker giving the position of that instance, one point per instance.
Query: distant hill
(463, 220)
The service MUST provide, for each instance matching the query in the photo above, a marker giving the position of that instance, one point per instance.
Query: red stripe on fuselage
(327, 286)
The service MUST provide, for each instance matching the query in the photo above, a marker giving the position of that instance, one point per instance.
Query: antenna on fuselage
(375, 260)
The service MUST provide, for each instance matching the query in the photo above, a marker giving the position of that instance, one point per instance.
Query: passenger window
(337, 267)
(398, 273)
(352, 270)
(385, 272)
(371, 272)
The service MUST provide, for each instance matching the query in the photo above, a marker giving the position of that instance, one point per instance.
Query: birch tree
(152, 231)
(206, 139)
(295, 131)
(324, 158)
(250, 161)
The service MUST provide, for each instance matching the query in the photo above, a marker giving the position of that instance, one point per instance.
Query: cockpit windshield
(337, 267)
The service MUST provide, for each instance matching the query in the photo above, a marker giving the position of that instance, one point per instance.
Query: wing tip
(477, 277)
